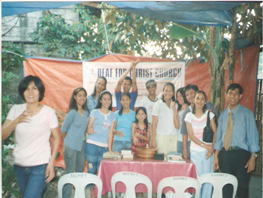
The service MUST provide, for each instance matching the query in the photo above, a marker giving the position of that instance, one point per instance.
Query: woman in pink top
(201, 152)
(33, 124)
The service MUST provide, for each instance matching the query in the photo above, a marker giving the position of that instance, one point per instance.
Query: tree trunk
(212, 63)
(231, 50)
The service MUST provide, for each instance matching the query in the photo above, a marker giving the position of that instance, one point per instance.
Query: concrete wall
(18, 27)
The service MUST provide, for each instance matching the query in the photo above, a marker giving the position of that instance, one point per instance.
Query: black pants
(234, 162)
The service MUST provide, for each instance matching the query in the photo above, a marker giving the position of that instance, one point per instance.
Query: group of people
(175, 122)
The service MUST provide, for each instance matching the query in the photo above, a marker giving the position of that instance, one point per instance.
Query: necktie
(229, 129)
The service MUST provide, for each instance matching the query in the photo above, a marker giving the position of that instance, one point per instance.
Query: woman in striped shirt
(201, 152)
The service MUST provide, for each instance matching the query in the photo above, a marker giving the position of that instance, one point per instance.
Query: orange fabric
(198, 74)
(248, 77)
(61, 77)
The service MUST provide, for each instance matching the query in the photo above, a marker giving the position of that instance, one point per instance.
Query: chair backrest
(179, 184)
(131, 179)
(219, 180)
(79, 181)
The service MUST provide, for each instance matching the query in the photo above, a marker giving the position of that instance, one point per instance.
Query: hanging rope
(12, 53)
(107, 40)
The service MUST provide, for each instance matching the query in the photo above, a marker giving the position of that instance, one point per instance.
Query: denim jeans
(119, 145)
(94, 155)
(75, 162)
(31, 180)
(203, 166)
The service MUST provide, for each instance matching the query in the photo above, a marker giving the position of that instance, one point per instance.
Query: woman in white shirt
(165, 121)
(33, 124)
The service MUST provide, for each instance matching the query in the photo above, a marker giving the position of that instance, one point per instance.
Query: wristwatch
(256, 155)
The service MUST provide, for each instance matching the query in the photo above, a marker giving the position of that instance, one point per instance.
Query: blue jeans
(94, 155)
(119, 145)
(203, 166)
(31, 180)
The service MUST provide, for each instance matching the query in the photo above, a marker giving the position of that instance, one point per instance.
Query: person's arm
(253, 140)
(134, 138)
(118, 86)
(134, 83)
(10, 125)
(175, 116)
(218, 141)
(213, 126)
(215, 161)
(154, 126)
(50, 173)
(66, 124)
(147, 138)
(184, 135)
(115, 132)
(110, 137)
(90, 129)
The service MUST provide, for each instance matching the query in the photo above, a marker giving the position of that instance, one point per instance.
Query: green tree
(108, 29)
(12, 61)
(12, 58)
(126, 34)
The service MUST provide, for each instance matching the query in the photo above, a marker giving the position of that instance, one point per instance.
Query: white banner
(161, 72)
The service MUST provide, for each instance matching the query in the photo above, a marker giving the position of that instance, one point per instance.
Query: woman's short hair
(26, 81)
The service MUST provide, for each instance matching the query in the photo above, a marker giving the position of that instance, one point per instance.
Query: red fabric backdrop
(61, 77)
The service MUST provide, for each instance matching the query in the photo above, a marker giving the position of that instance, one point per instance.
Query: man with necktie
(237, 142)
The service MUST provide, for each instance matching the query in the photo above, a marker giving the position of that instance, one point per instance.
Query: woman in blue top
(73, 130)
(100, 86)
(100, 127)
(125, 117)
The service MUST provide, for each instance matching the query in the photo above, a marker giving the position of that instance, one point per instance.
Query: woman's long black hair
(94, 91)
(123, 94)
(173, 88)
(73, 103)
(204, 107)
(99, 105)
(181, 90)
(145, 120)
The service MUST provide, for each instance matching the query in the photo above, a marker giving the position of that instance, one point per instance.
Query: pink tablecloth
(156, 170)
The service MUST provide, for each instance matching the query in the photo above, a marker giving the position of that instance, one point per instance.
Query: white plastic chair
(131, 179)
(219, 180)
(79, 181)
(179, 184)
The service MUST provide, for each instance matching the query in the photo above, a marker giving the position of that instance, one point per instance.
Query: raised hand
(91, 130)
(134, 63)
(173, 104)
(24, 117)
